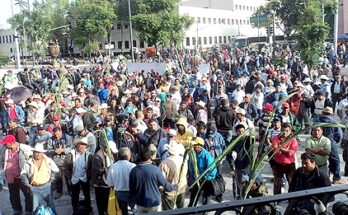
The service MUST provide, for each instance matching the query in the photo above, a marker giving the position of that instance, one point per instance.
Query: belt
(325, 164)
(39, 185)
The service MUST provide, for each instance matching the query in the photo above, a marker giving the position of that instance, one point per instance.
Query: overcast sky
(6, 13)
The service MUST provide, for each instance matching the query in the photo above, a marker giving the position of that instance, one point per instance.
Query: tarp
(147, 67)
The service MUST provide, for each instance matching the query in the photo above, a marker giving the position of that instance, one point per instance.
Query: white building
(7, 42)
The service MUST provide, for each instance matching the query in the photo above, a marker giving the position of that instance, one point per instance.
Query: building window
(223, 21)
(210, 40)
(220, 39)
(3, 39)
(228, 21)
(214, 20)
(10, 38)
(199, 19)
(236, 7)
(229, 39)
(119, 26)
(240, 7)
(187, 41)
(142, 44)
(205, 40)
(232, 21)
(244, 22)
(219, 21)
(193, 41)
(112, 45)
(244, 7)
(240, 22)
(134, 43)
(248, 22)
(0, 40)
(119, 44)
(11, 50)
(204, 20)
(209, 21)
(215, 40)
(199, 40)
(247, 8)
(126, 44)
(225, 41)
(6, 39)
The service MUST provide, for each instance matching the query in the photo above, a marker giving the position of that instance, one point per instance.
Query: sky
(6, 13)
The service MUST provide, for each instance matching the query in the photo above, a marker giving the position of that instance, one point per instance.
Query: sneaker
(338, 182)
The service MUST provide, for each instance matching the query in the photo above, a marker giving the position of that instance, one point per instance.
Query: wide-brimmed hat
(39, 148)
(104, 106)
(80, 110)
(328, 110)
(10, 101)
(79, 128)
(83, 141)
(241, 111)
(172, 133)
(33, 104)
(323, 77)
(201, 103)
(345, 108)
(307, 80)
(36, 96)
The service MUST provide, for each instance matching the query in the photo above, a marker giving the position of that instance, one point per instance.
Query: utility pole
(335, 27)
(18, 59)
(131, 29)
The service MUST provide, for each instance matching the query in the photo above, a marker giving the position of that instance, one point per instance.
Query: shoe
(219, 198)
(338, 182)
(58, 195)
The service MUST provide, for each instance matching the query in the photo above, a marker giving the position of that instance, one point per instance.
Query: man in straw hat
(12, 160)
(335, 135)
(38, 174)
(75, 171)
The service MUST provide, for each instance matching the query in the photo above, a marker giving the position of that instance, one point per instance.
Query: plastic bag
(43, 210)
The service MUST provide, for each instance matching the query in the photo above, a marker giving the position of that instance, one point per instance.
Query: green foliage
(3, 60)
(279, 61)
(122, 10)
(93, 18)
(158, 22)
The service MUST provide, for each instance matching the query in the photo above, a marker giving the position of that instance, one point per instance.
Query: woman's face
(287, 131)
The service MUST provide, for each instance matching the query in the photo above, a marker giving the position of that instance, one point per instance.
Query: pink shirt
(281, 157)
(12, 167)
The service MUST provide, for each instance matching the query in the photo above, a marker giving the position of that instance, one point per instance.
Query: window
(240, 7)
(6, 39)
(220, 39)
(210, 40)
(11, 50)
(236, 7)
(225, 41)
(125, 26)
(134, 43)
(119, 44)
(209, 21)
(244, 22)
(199, 19)
(214, 20)
(219, 21)
(244, 7)
(205, 40)
(240, 22)
(126, 44)
(204, 20)
(248, 22)
(119, 26)
(229, 38)
(0, 40)
(113, 45)
(247, 7)
(142, 44)
(228, 21)
(193, 41)
(232, 21)
(3, 39)
(223, 21)
(215, 40)
(199, 40)
(10, 38)
(187, 41)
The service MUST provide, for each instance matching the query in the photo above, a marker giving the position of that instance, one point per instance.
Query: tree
(312, 33)
(93, 18)
(3, 60)
(158, 22)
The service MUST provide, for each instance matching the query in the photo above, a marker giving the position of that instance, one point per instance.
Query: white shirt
(238, 96)
(118, 175)
(79, 169)
(258, 98)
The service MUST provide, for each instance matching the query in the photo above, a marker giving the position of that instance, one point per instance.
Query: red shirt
(281, 157)
(12, 167)
(13, 114)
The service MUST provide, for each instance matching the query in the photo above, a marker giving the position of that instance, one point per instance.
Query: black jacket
(99, 170)
(154, 137)
(224, 118)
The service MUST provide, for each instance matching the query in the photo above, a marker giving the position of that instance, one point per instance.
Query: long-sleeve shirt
(281, 157)
(144, 180)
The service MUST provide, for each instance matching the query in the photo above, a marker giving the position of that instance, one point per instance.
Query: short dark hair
(286, 125)
(201, 125)
(123, 153)
(55, 129)
(152, 120)
(145, 154)
(308, 155)
(239, 126)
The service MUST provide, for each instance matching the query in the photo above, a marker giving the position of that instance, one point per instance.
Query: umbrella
(20, 94)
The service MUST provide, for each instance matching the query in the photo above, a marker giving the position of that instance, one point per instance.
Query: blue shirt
(144, 181)
(204, 159)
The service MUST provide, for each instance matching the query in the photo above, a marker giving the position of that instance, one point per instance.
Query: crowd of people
(102, 127)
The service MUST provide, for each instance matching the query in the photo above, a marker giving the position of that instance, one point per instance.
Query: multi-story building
(7, 42)
(343, 18)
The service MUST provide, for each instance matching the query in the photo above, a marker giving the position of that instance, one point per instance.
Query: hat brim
(77, 142)
(42, 151)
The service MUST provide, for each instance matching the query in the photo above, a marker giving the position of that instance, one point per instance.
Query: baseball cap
(133, 123)
(97, 120)
(285, 105)
(8, 139)
(56, 118)
(172, 133)
(40, 127)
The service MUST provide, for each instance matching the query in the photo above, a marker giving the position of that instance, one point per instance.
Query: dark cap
(40, 127)
(133, 123)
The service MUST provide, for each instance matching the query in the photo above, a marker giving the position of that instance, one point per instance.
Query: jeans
(168, 201)
(102, 199)
(76, 194)
(44, 192)
(334, 162)
(205, 200)
(124, 199)
(240, 173)
(54, 83)
(15, 197)
(29, 86)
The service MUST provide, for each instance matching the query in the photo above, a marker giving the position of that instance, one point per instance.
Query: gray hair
(123, 153)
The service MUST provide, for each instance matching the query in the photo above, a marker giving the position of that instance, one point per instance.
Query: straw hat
(39, 148)
(82, 141)
(328, 111)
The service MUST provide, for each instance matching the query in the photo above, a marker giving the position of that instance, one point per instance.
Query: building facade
(343, 17)
(7, 42)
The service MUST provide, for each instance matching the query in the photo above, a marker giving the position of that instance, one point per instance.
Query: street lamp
(272, 12)
(131, 29)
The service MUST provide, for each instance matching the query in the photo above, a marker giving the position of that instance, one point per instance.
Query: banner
(159, 68)
(204, 68)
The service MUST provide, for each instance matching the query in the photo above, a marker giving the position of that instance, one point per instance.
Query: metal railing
(269, 201)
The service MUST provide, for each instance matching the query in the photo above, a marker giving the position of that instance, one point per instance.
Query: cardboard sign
(147, 67)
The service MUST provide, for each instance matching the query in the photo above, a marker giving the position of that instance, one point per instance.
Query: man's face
(200, 130)
(317, 132)
(148, 114)
(277, 124)
(38, 155)
(240, 131)
(104, 111)
(308, 166)
(81, 148)
(77, 103)
(286, 131)
(9, 145)
(183, 106)
(247, 99)
(41, 132)
(153, 126)
(82, 133)
(197, 148)
(278, 88)
(181, 127)
(58, 134)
